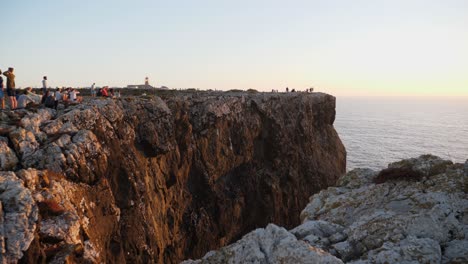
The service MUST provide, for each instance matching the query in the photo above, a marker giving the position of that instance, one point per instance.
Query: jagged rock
(8, 159)
(24, 142)
(381, 221)
(320, 234)
(357, 177)
(427, 164)
(33, 121)
(18, 216)
(409, 250)
(270, 245)
(456, 251)
(80, 157)
(397, 221)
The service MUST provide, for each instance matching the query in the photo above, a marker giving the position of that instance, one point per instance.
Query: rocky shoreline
(415, 211)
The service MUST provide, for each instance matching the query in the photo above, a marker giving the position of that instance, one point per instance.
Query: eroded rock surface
(144, 180)
(18, 216)
(401, 220)
(270, 245)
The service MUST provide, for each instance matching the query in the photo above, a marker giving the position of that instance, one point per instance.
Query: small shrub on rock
(50, 208)
(398, 174)
(53, 175)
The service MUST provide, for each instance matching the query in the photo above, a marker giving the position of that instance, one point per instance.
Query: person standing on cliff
(11, 92)
(2, 94)
(44, 85)
(93, 90)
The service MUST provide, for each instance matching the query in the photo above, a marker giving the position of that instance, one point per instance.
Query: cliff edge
(141, 179)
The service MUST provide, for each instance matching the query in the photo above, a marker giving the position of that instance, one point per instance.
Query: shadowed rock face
(145, 180)
(399, 220)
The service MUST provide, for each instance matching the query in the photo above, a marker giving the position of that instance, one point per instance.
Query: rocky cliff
(141, 179)
(415, 211)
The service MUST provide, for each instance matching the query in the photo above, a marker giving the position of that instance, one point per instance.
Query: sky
(342, 47)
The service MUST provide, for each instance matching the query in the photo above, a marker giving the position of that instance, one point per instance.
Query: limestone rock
(456, 251)
(8, 159)
(396, 221)
(18, 216)
(409, 250)
(270, 245)
(427, 164)
(24, 142)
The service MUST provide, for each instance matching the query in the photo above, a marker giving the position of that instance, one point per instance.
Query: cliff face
(147, 180)
(416, 211)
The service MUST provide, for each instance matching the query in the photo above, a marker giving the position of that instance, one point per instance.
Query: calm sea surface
(377, 130)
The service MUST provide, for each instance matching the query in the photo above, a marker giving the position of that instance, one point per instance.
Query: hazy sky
(359, 47)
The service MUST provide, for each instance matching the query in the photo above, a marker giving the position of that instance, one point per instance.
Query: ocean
(378, 130)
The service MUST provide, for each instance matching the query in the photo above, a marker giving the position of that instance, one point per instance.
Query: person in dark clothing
(44, 96)
(11, 87)
(48, 100)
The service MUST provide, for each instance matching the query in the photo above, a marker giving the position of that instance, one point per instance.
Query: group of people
(104, 91)
(52, 99)
(308, 90)
(19, 100)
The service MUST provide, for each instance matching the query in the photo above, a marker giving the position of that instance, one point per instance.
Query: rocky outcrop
(375, 217)
(18, 216)
(270, 245)
(145, 179)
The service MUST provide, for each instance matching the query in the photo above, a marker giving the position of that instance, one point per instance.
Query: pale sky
(359, 47)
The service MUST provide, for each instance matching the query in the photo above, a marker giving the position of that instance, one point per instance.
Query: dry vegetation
(398, 174)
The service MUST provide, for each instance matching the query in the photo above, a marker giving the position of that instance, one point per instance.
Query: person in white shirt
(24, 99)
(44, 85)
(36, 97)
(73, 96)
(58, 97)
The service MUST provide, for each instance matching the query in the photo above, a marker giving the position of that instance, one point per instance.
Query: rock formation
(371, 217)
(141, 179)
